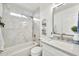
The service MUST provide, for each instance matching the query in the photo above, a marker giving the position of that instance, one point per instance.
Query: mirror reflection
(66, 21)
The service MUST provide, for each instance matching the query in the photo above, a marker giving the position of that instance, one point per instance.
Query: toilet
(36, 51)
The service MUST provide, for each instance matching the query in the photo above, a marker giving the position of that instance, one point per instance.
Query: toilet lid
(36, 50)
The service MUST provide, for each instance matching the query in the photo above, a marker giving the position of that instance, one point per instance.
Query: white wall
(37, 29)
(46, 13)
(36, 26)
(65, 19)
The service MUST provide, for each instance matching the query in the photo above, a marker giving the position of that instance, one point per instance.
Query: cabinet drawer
(52, 51)
(47, 53)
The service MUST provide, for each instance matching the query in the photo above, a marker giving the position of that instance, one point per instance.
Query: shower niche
(44, 26)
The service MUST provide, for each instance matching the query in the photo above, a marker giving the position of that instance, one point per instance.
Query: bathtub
(19, 50)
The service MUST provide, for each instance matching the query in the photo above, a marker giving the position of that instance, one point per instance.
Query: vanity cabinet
(48, 50)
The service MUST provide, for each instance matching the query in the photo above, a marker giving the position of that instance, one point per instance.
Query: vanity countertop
(65, 46)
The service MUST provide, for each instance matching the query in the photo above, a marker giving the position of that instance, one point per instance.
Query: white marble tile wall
(17, 30)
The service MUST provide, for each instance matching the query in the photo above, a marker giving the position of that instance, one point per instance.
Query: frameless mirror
(65, 18)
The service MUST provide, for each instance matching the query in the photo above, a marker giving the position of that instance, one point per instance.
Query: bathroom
(39, 29)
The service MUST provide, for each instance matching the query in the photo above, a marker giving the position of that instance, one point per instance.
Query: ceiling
(30, 8)
(64, 6)
(35, 7)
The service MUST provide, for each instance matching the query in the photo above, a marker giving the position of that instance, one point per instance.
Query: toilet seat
(37, 51)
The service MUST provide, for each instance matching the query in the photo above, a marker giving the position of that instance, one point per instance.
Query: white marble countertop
(66, 46)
